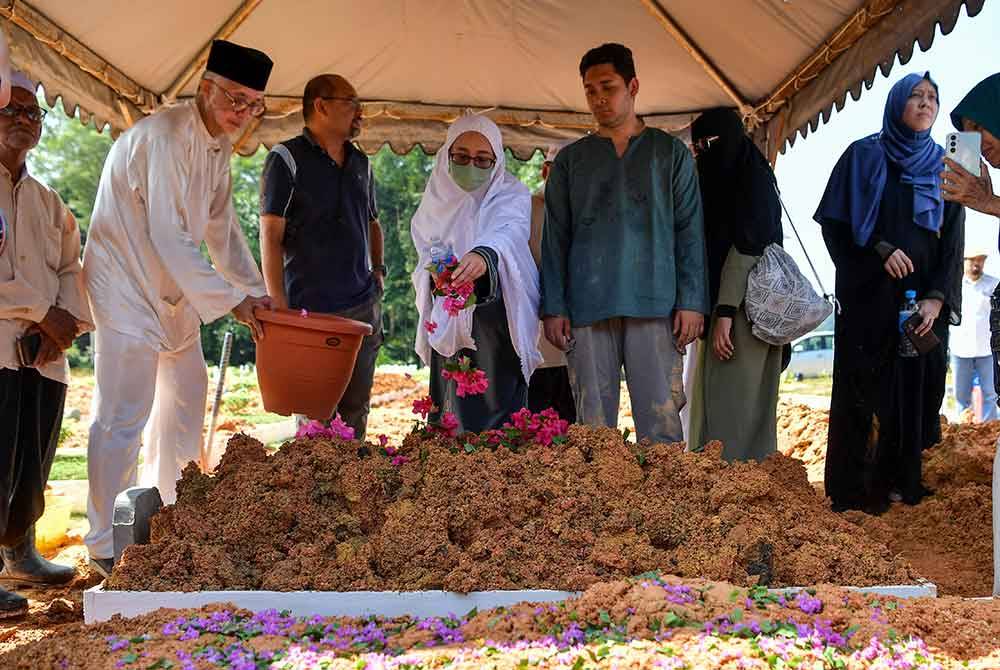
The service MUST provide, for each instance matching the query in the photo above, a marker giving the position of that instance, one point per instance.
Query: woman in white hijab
(473, 207)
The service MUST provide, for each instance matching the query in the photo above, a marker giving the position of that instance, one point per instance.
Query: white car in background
(812, 355)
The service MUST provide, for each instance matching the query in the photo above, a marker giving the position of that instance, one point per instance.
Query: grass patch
(819, 386)
(68, 467)
(263, 418)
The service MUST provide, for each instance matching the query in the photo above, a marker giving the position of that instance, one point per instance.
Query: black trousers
(549, 387)
(494, 355)
(31, 409)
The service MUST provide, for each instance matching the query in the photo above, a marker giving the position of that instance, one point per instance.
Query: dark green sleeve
(556, 239)
(689, 234)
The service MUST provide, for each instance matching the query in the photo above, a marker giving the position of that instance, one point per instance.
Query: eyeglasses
(704, 144)
(354, 101)
(479, 161)
(241, 104)
(34, 114)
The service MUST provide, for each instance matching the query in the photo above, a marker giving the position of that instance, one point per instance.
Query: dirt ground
(54, 608)
(946, 538)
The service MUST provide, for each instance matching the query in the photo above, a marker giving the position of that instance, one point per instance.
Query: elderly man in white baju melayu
(166, 188)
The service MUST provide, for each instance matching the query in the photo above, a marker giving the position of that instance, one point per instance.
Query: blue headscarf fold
(856, 184)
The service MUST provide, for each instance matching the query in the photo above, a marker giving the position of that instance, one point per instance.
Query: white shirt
(165, 189)
(39, 266)
(972, 338)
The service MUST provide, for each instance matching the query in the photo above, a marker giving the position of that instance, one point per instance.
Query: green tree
(400, 182)
(245, 172)
(69, 158)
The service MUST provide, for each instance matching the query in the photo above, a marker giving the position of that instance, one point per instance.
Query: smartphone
(27, 349)
(964, 149)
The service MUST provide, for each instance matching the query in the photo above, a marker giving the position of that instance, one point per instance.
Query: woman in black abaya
(888, 230)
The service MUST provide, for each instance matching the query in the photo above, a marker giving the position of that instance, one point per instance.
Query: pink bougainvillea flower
(423, 406)
(311, 429)
(453, 306)
(337, 429)
(383, 440)
(542, 428)
(399, 460)
(470, 382)
(340, 429)
(449, 423)
(430, 326)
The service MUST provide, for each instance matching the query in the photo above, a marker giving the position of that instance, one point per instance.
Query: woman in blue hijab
(889, 230)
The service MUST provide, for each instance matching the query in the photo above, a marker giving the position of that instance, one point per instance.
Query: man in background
(624, 281)
(971, 355)
(320, 238)
(42, 305)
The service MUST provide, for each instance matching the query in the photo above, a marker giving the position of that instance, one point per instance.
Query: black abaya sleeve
(945, 280)
(856, 266)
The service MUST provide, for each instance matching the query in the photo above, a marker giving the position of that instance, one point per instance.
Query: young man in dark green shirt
(623, 256)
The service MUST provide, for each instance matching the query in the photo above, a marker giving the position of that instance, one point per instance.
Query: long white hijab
(498, 216)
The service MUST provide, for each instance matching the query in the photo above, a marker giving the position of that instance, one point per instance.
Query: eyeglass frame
(354, 101)
(475, 160)
(30, 112)
(704, 144)
(240, 106)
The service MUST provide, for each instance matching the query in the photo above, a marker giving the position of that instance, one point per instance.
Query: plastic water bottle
(906, 348)
(439, 251)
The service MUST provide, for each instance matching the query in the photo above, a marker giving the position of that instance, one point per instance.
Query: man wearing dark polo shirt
(320, 239)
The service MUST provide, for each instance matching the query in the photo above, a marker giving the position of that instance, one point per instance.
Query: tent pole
(241, 14)
(668, 23)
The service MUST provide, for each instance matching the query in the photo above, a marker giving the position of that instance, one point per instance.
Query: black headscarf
(737, 190)
(982, 105)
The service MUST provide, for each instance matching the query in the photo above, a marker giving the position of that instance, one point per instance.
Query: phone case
(964, 149)
(27, 349)
(922, 343)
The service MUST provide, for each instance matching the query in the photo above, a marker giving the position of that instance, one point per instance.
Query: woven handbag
(780, 303)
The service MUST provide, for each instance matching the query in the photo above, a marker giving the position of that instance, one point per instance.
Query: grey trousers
(355, 403)
(653, 373)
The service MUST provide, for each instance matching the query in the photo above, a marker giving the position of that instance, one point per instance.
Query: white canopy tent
(419, 63)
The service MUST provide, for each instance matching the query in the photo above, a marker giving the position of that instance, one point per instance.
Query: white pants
(140, 388)
(690, 367)
(996, 522)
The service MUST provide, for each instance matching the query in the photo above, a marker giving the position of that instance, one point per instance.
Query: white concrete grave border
(100, 605)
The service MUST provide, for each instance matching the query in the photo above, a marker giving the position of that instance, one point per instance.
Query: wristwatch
(383, 268)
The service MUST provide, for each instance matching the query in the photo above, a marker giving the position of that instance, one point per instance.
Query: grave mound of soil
(338, 516)
(948, 537)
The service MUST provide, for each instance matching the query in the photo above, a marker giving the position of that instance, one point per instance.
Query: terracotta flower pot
(305, 362)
